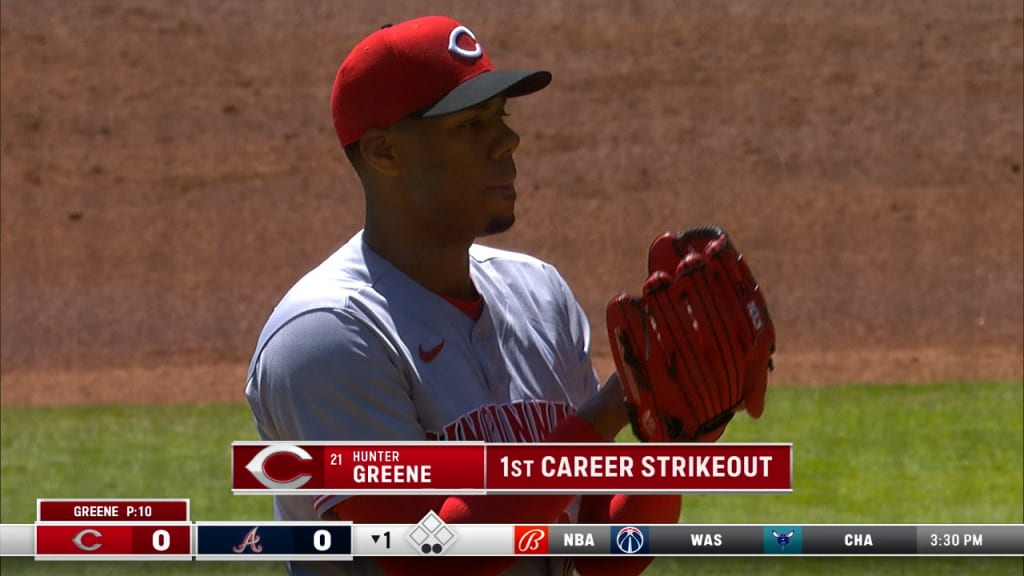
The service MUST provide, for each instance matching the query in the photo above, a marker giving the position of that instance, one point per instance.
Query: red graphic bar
(443, 467)
(112, 510)
(113, 540)
(639, 467)
(434, 466)
(276, 467)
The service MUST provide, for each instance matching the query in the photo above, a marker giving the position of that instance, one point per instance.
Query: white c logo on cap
(453, 43)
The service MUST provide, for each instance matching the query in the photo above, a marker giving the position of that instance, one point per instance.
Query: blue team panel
(255, 541)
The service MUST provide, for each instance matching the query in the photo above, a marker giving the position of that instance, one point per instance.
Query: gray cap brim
(485, 86)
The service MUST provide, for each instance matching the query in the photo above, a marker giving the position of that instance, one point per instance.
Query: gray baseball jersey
(357, 350)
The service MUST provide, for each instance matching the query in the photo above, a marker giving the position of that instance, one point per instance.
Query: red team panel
(121, 529)
(148, 541)
(83, 539)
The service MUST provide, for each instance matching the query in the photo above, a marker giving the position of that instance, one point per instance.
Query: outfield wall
(169, 169)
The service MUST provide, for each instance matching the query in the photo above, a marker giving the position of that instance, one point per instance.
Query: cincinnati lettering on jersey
(525, 421)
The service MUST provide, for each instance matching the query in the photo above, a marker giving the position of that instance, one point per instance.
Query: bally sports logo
(531, 539)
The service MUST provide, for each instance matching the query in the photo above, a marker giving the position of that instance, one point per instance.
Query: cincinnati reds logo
(257, 467)
(453, 43)
(79, 540)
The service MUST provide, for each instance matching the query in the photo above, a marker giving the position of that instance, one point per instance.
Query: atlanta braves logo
(251, 541)
(453, 43)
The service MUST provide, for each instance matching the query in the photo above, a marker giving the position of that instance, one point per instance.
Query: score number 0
(322, 540)
(161, 540)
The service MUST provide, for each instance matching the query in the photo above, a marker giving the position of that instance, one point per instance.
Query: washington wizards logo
(629, 540)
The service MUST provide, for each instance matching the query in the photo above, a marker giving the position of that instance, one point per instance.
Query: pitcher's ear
(378, 151)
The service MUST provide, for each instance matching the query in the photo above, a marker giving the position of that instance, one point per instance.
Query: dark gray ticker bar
(855, 539)
(579, 539)
(836, 539)
(980, 539)
(697, 539)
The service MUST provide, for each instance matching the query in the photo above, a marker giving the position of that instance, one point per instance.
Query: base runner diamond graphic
(431, 535)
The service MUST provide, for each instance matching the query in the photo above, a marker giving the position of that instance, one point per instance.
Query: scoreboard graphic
(161, 530)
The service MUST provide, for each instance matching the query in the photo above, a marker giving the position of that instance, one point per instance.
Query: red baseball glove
(697, 346)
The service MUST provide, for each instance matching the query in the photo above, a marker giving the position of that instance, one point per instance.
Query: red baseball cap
(429, 66)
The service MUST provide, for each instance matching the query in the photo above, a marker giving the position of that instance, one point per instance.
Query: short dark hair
(355, 156)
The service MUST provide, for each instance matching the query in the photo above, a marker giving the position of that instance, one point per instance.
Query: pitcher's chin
(499, 224)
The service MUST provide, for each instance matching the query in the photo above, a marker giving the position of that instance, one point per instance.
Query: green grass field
(944, 453)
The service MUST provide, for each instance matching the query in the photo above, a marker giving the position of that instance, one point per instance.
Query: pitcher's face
(458, 170)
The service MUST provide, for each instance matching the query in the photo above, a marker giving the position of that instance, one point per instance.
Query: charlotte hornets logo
(787, 540)
(783, 539)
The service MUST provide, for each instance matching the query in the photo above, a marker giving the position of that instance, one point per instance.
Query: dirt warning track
(168, 170)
